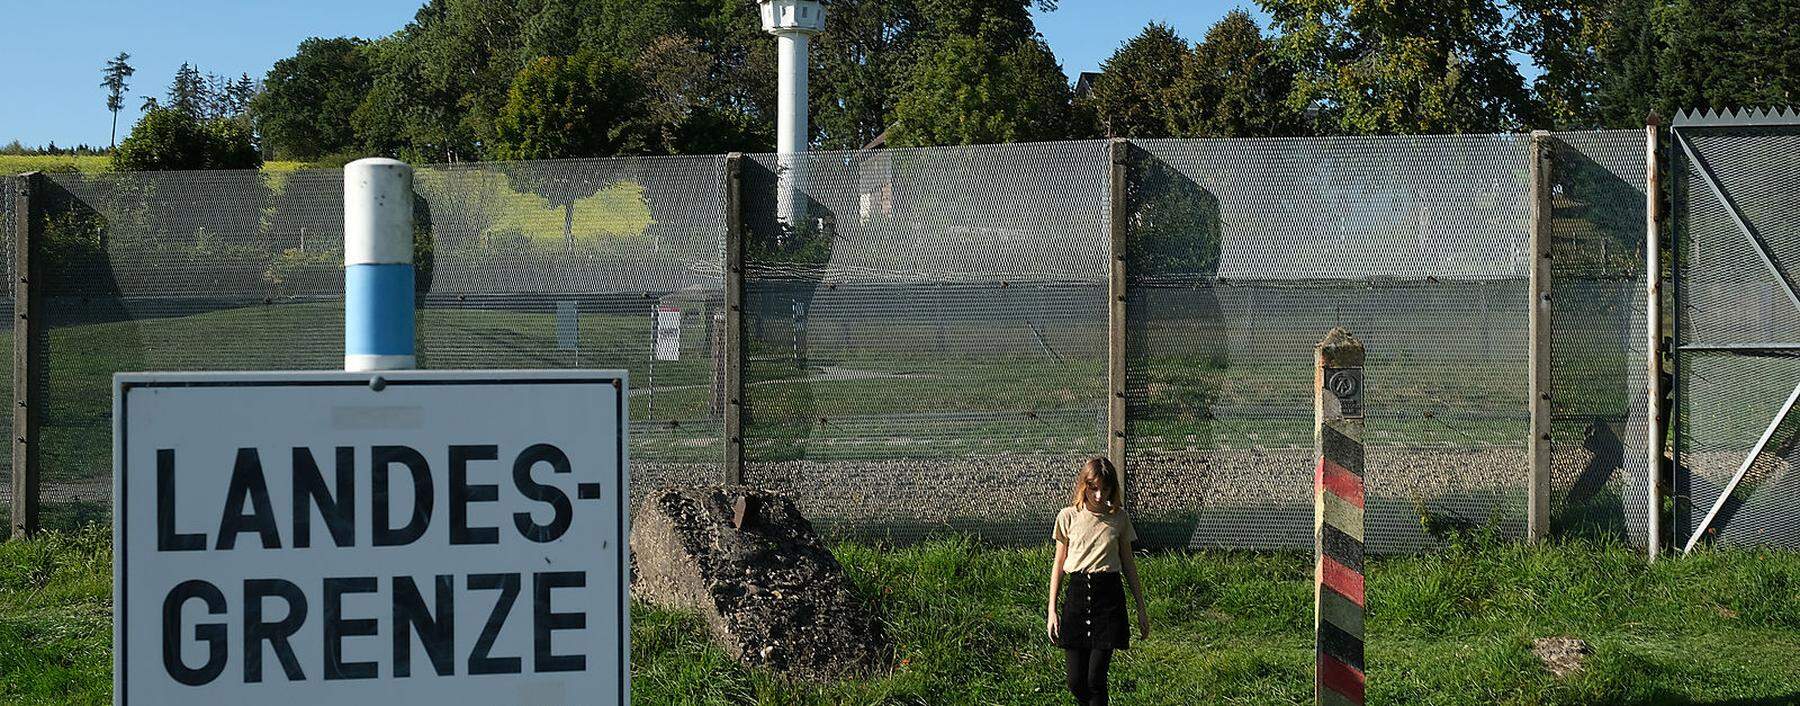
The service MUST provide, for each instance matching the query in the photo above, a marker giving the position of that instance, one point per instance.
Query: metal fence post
(1538, 506)
(28, 359)
(734, 319)
(1653, 331)
(1117, 163)
(1338, 600)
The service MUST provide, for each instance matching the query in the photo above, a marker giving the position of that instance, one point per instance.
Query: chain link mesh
(1728, 298)
(528, 265)
(1598, 356)
(9, 192)
(926, 333)
(1244, 253)
(926, 329)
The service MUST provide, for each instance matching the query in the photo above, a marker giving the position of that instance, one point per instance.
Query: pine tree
(115, 73)
(242, 92)
(218, 96)
(187, 93)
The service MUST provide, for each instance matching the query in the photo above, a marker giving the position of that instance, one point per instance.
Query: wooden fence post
(1537, 513)
(734, 319)
(27, 357)
(1117, 163)
(1653, 325)
(1338, 600)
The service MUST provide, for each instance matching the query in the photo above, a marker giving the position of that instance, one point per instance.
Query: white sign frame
(524, 683)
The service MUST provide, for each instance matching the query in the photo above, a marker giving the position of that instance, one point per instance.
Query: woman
(1093, 546)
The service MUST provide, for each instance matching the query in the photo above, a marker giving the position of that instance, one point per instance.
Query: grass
(22, 163)
(1721, 627)
(88, 163)
(924, 403)
(613, 211)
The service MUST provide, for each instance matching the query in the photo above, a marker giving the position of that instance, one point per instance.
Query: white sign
(668, 333)
(370, 538)
(568, 326)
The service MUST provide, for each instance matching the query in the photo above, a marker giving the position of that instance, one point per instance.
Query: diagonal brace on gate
(1743, 468)
(1756, 242)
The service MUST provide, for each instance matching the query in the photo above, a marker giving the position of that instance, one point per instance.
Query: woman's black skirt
(1093, 613)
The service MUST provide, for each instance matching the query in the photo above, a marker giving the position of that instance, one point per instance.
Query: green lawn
(1722, 627)
(931, 402)
(20, 164)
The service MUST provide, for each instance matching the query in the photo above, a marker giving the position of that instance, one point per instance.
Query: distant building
(875, 179)
(1084, 84)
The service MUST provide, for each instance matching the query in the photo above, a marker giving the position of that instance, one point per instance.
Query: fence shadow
(1598, 423)
(1176, 349)
(785, 266)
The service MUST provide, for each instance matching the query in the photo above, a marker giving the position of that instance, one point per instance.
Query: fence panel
(1738, 326)
(1598, 355)
(565, 263)
(927, 349)
(9, 189)
(1245, 252)
(927, 340)
(164, 271)
(556, 264)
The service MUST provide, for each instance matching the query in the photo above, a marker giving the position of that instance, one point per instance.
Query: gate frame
(1684, 124)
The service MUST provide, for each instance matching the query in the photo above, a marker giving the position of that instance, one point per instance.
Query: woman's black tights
(1087, 675)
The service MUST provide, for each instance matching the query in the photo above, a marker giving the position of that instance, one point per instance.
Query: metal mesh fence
(1598, 352)
(9, 189)
(1244, 253)
(1739, 330)
(926, 333)
(541, 265)
(926, 329)
(567, 264)
(157, 272)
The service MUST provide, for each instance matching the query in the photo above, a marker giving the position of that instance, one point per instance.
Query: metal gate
(1737, 326)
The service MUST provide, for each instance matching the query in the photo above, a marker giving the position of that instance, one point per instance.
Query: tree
(406, 116)
(241, 93)
(1432, 66)
(187, 92)
(168, 139)
(1234, 84)
(864, 59)
(1001, 21)
(966, 93)
(218, 97)
(560, 107)
(1566, 39)
(1725, 54)
(114, 81)
(691, 103)
(860, 64)
(307, 99)
(1130, 98)
(1628, 85)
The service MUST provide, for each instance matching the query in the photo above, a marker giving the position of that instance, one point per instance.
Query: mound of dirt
(753, 567)
(1561, 655)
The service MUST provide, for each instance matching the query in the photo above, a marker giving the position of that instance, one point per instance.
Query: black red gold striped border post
(1338, 600)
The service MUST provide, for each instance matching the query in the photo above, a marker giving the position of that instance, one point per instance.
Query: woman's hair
(1097, 473)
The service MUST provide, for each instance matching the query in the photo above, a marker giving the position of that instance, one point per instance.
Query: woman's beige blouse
(1093, 538)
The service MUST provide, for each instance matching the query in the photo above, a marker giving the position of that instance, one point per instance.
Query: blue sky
(55, 49)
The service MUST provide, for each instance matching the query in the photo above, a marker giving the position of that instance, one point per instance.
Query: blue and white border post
(378, 265)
